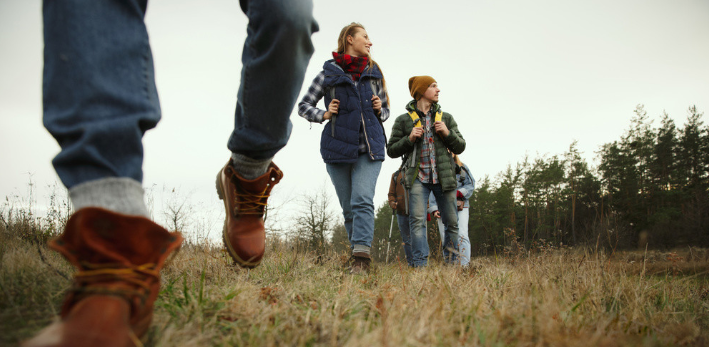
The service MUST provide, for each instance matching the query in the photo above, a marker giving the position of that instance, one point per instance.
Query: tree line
(650, 188)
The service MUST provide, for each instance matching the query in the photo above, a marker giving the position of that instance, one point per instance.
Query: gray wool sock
(361, 249)
(118, 194)
(250, 168)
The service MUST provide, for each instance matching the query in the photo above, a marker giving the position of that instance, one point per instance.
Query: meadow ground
(557, 297)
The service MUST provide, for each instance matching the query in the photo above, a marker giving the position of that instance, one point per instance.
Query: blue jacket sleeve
(468, 185)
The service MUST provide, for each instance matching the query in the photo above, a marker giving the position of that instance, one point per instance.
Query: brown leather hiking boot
(244, 202)
(119, 258)
(361, 263)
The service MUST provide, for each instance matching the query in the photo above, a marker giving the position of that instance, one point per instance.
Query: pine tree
(693, 173)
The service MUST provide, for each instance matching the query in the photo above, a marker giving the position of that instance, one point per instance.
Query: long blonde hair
(351, 30)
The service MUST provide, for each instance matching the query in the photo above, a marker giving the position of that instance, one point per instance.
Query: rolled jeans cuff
(118, 194)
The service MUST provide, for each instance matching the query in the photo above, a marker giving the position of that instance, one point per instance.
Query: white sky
(520, 77)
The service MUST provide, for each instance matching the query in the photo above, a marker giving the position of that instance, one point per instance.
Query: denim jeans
(99, 85)
(403, 221)
(418, 197)
(463, 239)
(354, 184)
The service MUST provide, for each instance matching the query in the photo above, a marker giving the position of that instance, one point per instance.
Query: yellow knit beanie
(418, 85)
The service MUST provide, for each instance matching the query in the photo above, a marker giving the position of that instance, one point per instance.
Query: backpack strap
(334, 116)
(417, 121)
(415, 118)
(376, 85)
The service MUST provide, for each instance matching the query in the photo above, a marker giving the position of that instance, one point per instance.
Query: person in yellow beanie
(426, 136)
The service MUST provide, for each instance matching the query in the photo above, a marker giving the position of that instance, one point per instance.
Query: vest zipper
(366, 138)
(364, 125)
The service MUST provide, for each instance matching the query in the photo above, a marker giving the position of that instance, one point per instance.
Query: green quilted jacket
(399, 144)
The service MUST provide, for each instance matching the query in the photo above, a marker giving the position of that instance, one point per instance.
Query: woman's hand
(332, 109)
(377, 104)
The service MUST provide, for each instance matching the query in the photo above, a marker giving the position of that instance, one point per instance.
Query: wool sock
(118, 194)
(361, 249)
(250, 168)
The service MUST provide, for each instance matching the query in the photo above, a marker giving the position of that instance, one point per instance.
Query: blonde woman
(352, 143)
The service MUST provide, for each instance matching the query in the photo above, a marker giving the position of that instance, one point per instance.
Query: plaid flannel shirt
(427, 168)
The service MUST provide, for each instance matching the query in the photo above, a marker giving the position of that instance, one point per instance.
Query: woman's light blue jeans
(99, 85)
(354, 184)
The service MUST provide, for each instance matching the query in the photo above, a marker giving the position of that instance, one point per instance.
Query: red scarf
(352, 65)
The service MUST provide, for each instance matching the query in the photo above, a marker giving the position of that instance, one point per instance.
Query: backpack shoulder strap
(333, 89)
(375, 84)
(415, 118)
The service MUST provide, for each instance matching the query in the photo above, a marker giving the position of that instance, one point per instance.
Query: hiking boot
(119, 258)
(244, 201)
(361, 263)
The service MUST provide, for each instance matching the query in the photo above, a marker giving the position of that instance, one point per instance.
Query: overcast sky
(520, 77)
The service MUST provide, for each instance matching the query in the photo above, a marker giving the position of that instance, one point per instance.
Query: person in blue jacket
(466, 185)
(352, 143)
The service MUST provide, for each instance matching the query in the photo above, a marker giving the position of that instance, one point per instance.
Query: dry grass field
(558, 297)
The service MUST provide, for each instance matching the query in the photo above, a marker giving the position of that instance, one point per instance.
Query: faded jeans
(99, 84)
(354, 184)
(463, 239)
(418, 197)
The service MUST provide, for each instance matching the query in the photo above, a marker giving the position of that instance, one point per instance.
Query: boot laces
(93, 274)
(250, 203)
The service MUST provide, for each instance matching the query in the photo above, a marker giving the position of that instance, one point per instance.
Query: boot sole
(232, 253)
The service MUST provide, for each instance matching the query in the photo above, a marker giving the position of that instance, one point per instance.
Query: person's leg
(403, 221)
(464, 239)
(418, 196)
(275, 55)
(442, 234)
(447, 208)
(99, 99)
(364, 179)
(341, 177)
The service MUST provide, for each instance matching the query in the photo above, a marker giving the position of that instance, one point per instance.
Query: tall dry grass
(557, 297)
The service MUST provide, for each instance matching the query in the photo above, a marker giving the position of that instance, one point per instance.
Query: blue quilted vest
(339, 141)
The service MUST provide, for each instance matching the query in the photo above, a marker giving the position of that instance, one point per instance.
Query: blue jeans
(403, 221)
(463, 238)
(418, 198)
(99, 85)
(354, 184)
